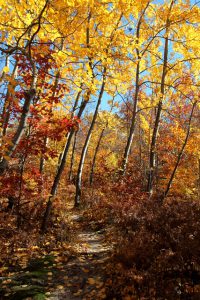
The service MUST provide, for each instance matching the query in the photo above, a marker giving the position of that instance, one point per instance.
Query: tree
(180, 154)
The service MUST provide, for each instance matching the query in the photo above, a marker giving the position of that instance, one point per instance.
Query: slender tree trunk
(156, 171)
(141, 158)
(72, 157)
(137, 88)
(22, 166)
(85, 147)
(180, 153)
(152, 160)
(42, 164)
(140, 146)
(74, 143)
(152, 157)
(133, 120)
(95, 156)
(61, 166)
(42, 160)
(29, 96)
(72, 115)
(20, 130)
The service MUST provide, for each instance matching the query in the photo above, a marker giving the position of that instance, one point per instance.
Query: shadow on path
(84, 275)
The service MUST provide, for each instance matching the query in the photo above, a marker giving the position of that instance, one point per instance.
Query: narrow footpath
(84, 275)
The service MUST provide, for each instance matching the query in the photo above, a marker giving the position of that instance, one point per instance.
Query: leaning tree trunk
(72, 157)
(95, 156)
(61, 167)
(132, 128)
(74, 143)
(22, 168)
(86, 144)
(180, 153)
(42, 160)
(72, 115)
(28, 96)
(20, 130)
(68, 139)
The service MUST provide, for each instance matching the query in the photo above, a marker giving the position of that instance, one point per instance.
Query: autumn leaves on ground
(99, 149)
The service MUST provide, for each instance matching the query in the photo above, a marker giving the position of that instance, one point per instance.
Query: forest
(100, 149)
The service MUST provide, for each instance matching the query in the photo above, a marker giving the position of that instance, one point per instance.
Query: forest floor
(76, 272)
(85, 256)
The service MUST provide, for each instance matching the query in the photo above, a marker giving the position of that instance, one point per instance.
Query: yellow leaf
(85, 270)
(60, 287)
(78, 293)
(91, 281)
(6, 69)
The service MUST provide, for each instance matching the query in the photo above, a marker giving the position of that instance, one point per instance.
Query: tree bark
(86, 144)
(152, 155)
(72, 115)
(133, 120)
(72, 157)
(95, 156)
(42, 160)
(28, 95)
(61, 168)
(20, 130)
(135, 102)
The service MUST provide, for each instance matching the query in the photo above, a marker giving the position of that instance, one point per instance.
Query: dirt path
(84, 275)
